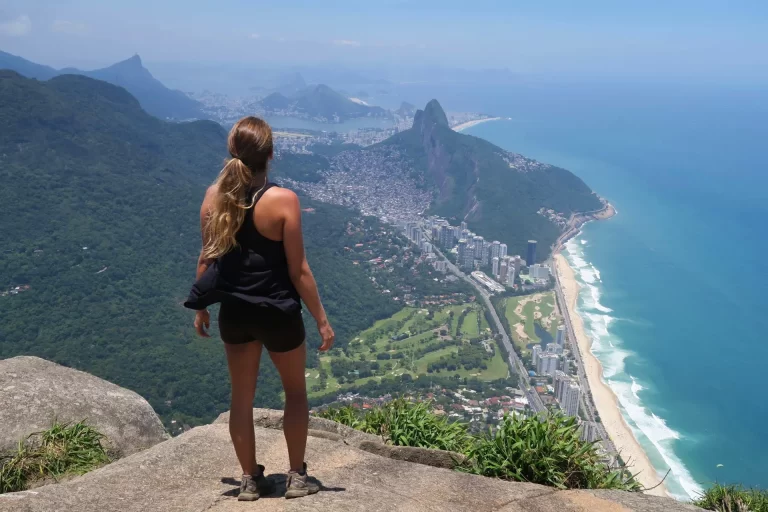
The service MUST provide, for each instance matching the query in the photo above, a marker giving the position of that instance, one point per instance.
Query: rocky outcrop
(327, 429)
(35, 392)
(198, 471)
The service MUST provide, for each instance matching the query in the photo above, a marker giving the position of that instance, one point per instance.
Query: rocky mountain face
(198, 469)
(498, 193)
(36, 392)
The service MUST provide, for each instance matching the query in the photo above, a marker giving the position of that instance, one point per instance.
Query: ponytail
(249, 140)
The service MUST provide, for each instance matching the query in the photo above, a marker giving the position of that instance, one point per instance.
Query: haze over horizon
(685, 41)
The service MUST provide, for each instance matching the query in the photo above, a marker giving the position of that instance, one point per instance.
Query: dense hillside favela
(433, 251)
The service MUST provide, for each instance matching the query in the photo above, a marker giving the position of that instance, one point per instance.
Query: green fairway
(409, 342)
(530, 310)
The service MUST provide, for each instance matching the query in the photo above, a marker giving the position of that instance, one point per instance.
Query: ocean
(674, 288)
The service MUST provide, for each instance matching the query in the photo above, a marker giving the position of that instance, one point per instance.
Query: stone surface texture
(35, 392)
(197, 471)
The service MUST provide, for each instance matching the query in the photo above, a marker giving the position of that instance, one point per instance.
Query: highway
(515, 364)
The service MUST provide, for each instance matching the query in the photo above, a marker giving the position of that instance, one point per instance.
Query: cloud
(15, 28)
(346, 42)
(69, 27)
(254, 36)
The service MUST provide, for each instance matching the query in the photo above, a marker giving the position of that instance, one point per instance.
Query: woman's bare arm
(202, 318)
(298, 267)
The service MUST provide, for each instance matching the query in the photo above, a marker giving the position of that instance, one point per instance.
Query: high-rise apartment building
(571, 397)
(496, 249)
(547, 364)
(560, 339)
(531, 257)
(535, 353)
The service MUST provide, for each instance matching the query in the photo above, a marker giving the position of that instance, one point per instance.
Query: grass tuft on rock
(62, 450)
(733, 498)
(547, 451)
(405, 423)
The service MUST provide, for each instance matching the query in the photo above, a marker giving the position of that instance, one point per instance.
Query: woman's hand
(326, 334)
(203, 323)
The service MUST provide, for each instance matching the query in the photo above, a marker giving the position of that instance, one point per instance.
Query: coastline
(606, 402)
(470, 124)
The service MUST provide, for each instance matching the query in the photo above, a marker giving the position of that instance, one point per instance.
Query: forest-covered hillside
(100, 221)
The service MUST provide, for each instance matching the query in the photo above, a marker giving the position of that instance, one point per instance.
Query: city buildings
(502, 250)
(535, 353)
(486, 281)
(446, 236)
(441, 265)
(560, 339)
(589, 432)
(495, 266)
(571, 397)
(547, 364)
(560, 379)
(477, 242)
(531, 257)
(510, 275)
(554, 348)
(538, 272)
(503, 270)
(495, 249)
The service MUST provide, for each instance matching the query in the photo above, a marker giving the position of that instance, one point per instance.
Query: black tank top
(255, 272)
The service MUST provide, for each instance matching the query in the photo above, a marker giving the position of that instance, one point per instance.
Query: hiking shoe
(298, 486)
(254, 486)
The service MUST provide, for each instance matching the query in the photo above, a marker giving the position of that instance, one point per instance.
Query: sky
(716, 41)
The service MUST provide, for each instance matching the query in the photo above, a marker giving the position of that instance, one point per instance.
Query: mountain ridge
(471, 178)
(130, 74)
(320, 102)
(102, 203)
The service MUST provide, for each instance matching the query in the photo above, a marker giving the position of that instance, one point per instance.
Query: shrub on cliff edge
(733, 498)
(549, 452)
(59, 451)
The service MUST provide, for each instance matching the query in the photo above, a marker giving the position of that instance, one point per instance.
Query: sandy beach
(469, 124)
(605, 400)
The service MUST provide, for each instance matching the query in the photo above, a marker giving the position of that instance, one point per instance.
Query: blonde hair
(250, 148)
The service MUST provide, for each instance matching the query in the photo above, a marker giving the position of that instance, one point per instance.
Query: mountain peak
(432, 115)
(130, 63)
(435, 113)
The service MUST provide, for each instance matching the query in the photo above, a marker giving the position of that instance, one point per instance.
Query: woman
(253, 262)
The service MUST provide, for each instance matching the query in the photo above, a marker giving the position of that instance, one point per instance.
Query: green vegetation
(108, 239)
(537, 311)
(413, 342)
(154, 97)
(405, 423)
(545, 451)
(548, 452)
(60, 451)
(463, 168)
(733, 498)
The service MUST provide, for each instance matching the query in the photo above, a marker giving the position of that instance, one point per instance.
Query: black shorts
(277, 330)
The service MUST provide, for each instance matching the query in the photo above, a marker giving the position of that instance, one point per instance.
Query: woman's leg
(291, 366)
(243, 361)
